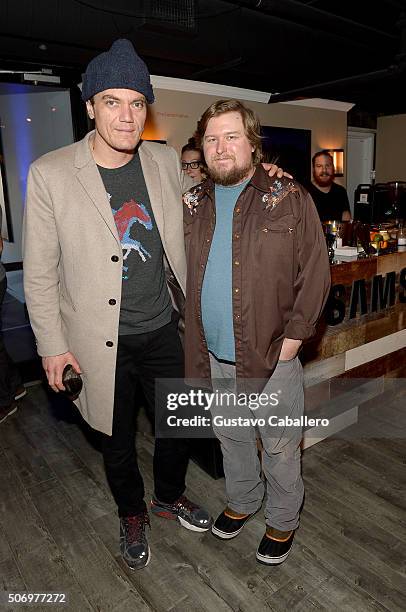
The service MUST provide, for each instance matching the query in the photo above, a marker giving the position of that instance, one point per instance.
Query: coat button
(236, 262)
(236, 290)
(236, 236)
(237, 210)
(114, 258)
(112, 302)
(109, 343)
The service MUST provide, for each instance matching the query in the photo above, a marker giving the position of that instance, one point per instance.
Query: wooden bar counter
(362, 334)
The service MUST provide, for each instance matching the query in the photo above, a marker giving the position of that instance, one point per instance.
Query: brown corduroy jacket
(280, 272)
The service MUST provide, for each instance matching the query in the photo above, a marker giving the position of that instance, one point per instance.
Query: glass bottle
(402, 235)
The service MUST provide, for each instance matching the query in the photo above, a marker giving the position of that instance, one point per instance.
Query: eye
(111, 103)
(139, 104)
(210, 139)
(231, 137)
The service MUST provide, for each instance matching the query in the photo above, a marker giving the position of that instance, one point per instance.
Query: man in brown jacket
(258, 279)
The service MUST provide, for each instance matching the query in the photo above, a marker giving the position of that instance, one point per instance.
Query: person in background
(258, 279)
(192, 162)
(11, 385)
(331, 200)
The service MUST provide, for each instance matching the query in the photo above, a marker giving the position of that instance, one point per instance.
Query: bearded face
(227, 150)
(323, 171)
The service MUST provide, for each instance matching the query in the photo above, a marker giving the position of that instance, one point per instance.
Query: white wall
(390, 149)
(24, 141)
(174, 115)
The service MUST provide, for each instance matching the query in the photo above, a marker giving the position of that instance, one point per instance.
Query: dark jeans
(141, 358)
(10, 378)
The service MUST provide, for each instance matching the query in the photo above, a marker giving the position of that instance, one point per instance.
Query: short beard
(227, 178)
(324, 183)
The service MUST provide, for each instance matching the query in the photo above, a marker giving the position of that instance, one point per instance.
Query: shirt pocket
(275, 238)
(281, 225)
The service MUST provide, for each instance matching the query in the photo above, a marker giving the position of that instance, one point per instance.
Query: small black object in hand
(72, 381)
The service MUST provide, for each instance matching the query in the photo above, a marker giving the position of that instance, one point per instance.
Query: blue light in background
(20, 131)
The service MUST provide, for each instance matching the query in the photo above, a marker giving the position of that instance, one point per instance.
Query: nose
(125, 113)
(221, 146)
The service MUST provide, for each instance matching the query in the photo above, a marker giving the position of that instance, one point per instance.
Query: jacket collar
(91, 181)
(152, 177)
(261, 180)
(83, 154)
(90, 178)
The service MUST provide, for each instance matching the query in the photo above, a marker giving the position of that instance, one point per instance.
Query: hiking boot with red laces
(189, 514)
(133, 542)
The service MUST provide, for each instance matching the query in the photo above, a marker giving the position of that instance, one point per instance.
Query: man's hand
(289, 349)
(54, 367)
(273, 169)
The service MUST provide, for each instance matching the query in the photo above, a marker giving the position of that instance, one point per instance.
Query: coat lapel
(90, 179)
(152, 178)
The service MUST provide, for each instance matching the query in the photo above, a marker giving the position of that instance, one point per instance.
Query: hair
(319, 154)
(250, 121)
(191, 146)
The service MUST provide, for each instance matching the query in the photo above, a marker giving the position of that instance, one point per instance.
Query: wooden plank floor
(59, 530)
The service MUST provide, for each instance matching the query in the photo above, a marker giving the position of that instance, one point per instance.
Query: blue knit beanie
(118, 68)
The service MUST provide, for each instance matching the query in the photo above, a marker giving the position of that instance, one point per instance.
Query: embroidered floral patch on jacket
(191, 198)
(277, 192)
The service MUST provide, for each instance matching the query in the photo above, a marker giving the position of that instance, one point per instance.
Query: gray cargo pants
(281, 468)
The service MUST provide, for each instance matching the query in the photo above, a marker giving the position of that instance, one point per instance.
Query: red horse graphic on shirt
(129, 214)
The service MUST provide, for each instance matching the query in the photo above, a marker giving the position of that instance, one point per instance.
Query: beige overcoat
(73, 260)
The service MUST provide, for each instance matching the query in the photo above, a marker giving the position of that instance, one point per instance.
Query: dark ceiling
(345, 50)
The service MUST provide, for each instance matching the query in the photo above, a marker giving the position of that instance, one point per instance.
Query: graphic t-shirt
(145, 301)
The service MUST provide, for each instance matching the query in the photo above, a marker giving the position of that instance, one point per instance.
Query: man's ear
(90, 109)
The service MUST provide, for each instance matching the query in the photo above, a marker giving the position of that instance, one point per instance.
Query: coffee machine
(380, 202)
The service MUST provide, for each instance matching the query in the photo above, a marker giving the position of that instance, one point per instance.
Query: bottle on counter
(402, 235)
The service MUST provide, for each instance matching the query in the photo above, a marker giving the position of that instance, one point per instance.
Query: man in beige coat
(102, 216)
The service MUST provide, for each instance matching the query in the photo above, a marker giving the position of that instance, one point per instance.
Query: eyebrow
(111, 97)
(225, 133)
